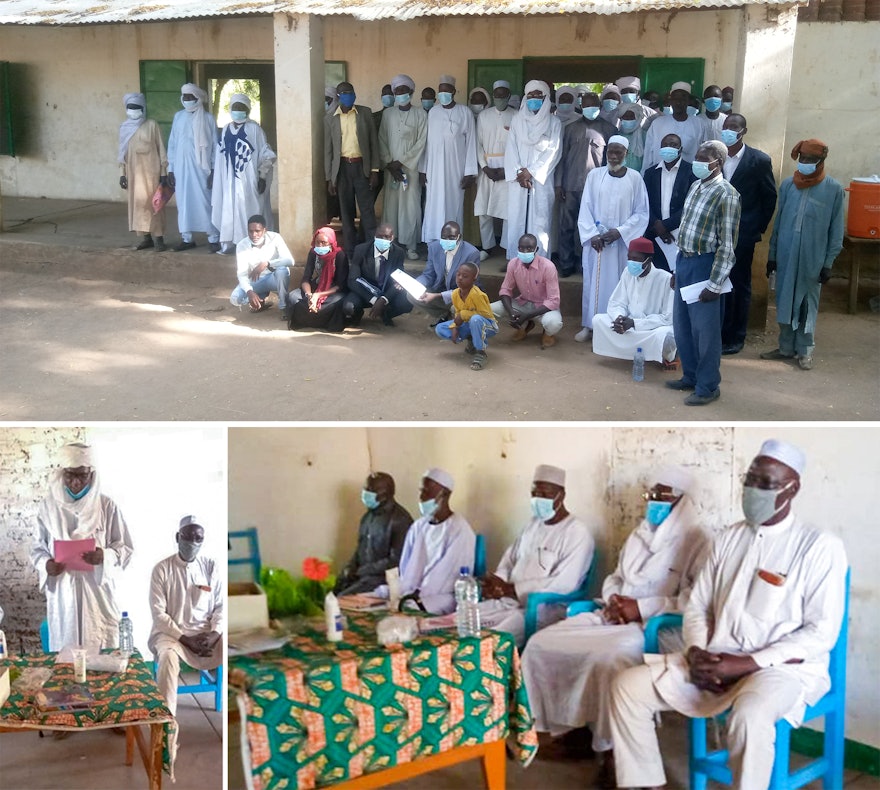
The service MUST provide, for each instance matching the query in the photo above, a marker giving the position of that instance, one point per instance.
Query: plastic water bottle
(639, 365)
(3, 650)
(601, 229)
(332, 618)
(467, 597)
(772, 279)
(126, 634)
(404, 184)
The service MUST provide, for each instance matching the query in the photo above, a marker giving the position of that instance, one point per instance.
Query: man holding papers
(706, 241)
(80, 580)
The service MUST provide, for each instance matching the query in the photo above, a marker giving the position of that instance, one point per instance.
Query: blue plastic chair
(252, 555)
(480, 557)
(652, 628)
(210, 680)
(537, 599)
(705, 765)
(44, 635)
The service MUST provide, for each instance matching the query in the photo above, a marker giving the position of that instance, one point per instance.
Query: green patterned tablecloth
(131, 697)
(320, 713)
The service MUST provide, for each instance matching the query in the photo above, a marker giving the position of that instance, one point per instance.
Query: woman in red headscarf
(317, 303)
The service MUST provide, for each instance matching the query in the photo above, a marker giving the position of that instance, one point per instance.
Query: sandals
(264, 305)
(479, 361)
(470, 349)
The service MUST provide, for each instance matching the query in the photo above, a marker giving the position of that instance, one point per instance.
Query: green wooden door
(160, 84)
(483, 74)
(7, 139)
(658, 74)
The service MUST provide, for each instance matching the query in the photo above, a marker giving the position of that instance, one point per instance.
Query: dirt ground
(94, 331)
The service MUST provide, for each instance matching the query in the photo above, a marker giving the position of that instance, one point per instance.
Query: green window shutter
(7, 139)
(484, 73)
(658, 74)
(160, 84)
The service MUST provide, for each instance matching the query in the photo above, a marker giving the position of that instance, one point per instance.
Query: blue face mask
(729, 137)
(383, 245)
(542, 508)
(629, 126)
(525, 257)
(806, 168)
(629, 98)
(590, 113)
(80, 495)
(701, 169)
(369, 498)
(712, 103)
(402, 99)
(609, 104)
(428, 507)
(448, 245)
(534, 104)
(444, 98)
(634, 268)
(726, 106)
(667, 110)
(427, 104)
(656, 512)
(387, 100)
(692, 111)
(239, 116)
(321, 250)
(669, 154)
(347, 100)
(190, 105)
(501, 104)
(565, 107)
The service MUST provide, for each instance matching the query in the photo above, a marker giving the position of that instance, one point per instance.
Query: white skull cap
(786, 453)
(545, 473)
(441, 476)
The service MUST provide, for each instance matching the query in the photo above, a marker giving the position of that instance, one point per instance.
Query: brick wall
(27, 457)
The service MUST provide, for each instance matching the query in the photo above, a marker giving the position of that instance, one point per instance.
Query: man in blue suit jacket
(750, 172)
(445, 255)
(370, 281)
(663, 220)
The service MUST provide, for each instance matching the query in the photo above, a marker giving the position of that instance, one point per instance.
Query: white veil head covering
(128, 127)
(240, 97)
(637, 136)
(536, 125)
(403, 79)
(485, 94)
(86, 510)
(203, 144)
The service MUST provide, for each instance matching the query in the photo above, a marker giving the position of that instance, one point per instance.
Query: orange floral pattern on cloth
(367, 707)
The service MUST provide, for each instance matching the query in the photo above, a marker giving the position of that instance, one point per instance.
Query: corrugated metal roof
(79, 12)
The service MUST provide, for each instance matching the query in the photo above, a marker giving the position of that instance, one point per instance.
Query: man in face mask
(187, 602)
(81, 607)
(552, 554)
(763, 615)
(530, 291)
(568, 667)
(689, 128)
(381, 535)
(437, 546)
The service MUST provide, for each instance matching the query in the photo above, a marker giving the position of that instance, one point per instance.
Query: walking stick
(598, 274)
(528, 201)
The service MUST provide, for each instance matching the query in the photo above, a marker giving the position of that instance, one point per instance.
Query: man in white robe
(403, 134)
(437, 546)
(639, 311)
(534, 147)
(242, 175)
(191, 147)
(493, 127)
(450, 160)
(81, 606)
(187, 602)
(689, 128)
(764, 613)
(568, 667)
(552, 554)
(614, 211)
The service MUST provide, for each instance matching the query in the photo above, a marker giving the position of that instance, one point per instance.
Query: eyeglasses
(764, 482)
(655, 495)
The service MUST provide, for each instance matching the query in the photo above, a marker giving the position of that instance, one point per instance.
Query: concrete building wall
(300, 487)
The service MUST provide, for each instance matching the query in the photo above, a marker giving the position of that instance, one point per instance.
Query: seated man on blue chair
(186, 599)
(569, 666)
(552, 554)
(763, 616)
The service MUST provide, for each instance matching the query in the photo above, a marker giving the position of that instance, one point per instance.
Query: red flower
(315, 570)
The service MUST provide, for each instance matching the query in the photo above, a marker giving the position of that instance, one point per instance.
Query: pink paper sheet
(68, 552)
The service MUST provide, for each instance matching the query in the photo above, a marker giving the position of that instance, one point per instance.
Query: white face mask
(135, 114)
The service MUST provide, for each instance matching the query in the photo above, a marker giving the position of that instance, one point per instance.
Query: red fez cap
(642, 244)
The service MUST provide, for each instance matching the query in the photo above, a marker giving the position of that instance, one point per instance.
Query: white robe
(712, 126)
(237, 167)
(540, 160)
(493, 127)
(568, 667)
(690, 132)
(191, 178)
(733, 610)
(544, 558)
(402, 137)
(450, 154)
(81, 606)
(648, 301)
(432, 557)
(618, 203)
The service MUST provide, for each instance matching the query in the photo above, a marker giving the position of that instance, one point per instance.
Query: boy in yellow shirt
(474, 320)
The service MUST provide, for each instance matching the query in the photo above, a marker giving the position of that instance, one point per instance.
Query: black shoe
(566, 273)
(388, 322)
(701, 400)
(183, 246)
(146, 243)
(159, 244)
(680, 384)
(732, 348)
(214, 246)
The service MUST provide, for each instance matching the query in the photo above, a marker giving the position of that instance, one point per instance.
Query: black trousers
(355, 305)
(352, 185)
(735, 305)
(569, 242)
